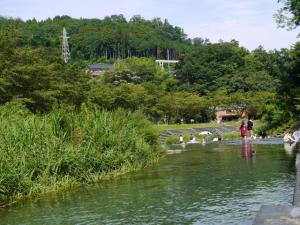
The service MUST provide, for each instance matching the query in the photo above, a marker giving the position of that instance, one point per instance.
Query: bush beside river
(41, 153)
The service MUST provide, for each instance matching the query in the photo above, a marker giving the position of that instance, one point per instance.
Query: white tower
(65, 47)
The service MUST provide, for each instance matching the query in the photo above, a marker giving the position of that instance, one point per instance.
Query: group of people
(192, 139)
(247, 130)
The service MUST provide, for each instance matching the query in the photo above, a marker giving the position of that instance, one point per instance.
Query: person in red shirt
(244, 130)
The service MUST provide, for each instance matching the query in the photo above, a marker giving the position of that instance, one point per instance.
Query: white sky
(250, 22)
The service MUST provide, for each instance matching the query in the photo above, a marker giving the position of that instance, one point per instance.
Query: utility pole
(65, 47)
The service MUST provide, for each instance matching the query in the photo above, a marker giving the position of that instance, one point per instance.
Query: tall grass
(66, 147)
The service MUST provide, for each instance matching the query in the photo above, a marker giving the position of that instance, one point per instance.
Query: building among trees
(229, 114)
(96, 69)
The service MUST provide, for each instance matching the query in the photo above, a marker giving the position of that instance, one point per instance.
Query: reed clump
(68, 146)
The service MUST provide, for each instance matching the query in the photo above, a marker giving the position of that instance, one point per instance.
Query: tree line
(224, 74)
(110, 38)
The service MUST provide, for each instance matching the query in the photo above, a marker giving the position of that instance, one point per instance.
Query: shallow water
(221, 183)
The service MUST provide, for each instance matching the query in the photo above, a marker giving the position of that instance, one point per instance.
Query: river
(221, 183)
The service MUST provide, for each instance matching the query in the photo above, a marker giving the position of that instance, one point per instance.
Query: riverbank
(169, 134)
(67, 148)
(213, 124)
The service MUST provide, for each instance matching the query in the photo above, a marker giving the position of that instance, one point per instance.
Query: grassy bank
(163, 127)
(65, 148)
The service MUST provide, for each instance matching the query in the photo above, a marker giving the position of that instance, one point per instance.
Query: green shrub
(172, 140)
(231, 135)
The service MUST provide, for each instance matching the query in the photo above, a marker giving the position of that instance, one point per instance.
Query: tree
(37, 80)
(130, 96)
(289, 92)
(289, 14)
(290, 82)
(135, 70)
(102, 95)
(111, 38)
(223, 66)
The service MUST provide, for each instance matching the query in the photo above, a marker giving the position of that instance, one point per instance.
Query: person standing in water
(180, 139)
(250, 127)
(192, 138)
(244, 130)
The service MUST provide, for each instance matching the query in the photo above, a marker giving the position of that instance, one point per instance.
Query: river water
(221, 183)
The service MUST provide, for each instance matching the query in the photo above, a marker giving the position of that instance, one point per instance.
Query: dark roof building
(97, 69)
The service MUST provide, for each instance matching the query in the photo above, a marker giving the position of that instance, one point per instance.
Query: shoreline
(65, 148)
(67, 184)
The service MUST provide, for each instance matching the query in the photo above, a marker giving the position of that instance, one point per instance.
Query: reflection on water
(221, 183)
(248, 151)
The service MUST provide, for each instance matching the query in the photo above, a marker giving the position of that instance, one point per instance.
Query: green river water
(219, 183)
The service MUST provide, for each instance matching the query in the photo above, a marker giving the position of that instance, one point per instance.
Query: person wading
(250, 127)
(244, 130)
(180, 139)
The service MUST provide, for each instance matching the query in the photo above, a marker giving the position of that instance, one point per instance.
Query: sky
(250, 22)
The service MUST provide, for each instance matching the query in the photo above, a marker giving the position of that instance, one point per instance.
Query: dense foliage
(208, 75)
(65, 147)
(224, 66)
(110, 38)
(286, 109)
(36, 79)
(289, 14)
